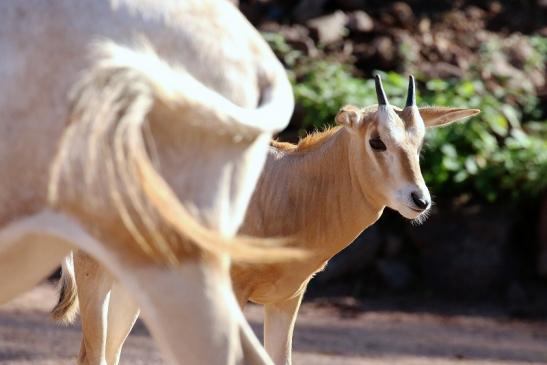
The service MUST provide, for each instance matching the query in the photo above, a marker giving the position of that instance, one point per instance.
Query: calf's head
(385, 144)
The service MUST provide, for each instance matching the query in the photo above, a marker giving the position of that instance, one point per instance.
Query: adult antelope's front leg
(189, 309)
(279, 320)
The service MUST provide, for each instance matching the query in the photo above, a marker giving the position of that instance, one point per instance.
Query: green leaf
(471, 165)
(466, 89)
(511, 115)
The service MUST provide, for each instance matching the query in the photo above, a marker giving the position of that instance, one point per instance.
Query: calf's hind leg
(122, 314)
(279, 321)
(94, 289)
(108, 312)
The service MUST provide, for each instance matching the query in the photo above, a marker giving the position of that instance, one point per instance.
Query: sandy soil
(324, 335)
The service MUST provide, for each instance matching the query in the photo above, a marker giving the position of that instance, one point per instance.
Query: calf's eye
(377, 144)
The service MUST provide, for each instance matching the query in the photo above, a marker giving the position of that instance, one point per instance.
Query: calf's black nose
(419, 200)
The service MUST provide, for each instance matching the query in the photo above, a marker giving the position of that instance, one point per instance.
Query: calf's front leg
(123, 311)
(94, 285)
(279, 320)
(108, 312)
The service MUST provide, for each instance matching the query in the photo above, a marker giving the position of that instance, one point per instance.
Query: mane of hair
(308, 143)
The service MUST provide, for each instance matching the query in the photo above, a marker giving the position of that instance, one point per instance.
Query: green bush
(491, 155)
(494, 156)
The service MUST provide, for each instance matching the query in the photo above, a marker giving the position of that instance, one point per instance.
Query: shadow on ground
(325, 334)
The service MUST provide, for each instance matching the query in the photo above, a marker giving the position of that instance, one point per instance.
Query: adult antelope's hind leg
(94, 288)
(279, 320)
(122, 314)
(189, 309)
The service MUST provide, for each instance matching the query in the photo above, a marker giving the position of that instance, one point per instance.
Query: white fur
(212, 50)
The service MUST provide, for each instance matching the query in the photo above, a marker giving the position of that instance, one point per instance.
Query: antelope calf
(149, 164)
(322, 193)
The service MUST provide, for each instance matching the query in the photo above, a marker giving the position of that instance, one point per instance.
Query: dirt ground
(325, 334)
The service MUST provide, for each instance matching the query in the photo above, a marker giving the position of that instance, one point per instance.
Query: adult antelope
(149, 166)
(322, 193)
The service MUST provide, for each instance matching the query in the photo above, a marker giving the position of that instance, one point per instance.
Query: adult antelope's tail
(106, 146)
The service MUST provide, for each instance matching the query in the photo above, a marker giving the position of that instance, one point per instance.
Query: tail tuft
(113, 107)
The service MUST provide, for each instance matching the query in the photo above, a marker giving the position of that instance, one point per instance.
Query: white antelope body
(322, 193)
(163, 135)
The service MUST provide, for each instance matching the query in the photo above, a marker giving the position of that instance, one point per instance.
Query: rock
(500, 67)
(475, 13)
(359, 21)
(520, 51)
(408, 51)
(386, 19)
(386, 51)
(403, 15)
(495, 8)
(440, 70)
(298, 37)
(308, 9)
(424, 26)
(330, 28)
(271, 27)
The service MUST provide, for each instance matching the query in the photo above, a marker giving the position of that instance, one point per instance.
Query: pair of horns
(381, 94)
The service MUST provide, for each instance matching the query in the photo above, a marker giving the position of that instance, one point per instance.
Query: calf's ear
(349, 116)
(436, 116)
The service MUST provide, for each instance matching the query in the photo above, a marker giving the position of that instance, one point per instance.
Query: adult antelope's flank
(135, 131)
(322, 193)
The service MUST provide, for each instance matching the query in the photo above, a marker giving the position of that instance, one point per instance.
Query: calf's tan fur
(322, 193)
